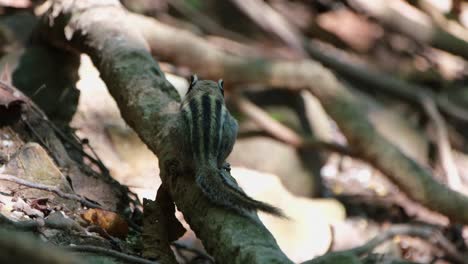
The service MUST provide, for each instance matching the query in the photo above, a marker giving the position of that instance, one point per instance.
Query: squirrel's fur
(209, 132)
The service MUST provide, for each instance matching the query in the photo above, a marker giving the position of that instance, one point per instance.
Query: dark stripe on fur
(195, 129)
(218, 127)
(186, 117)
(206, 123)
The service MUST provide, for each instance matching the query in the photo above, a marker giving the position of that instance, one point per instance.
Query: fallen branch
(110, 253)
(52, 189)
(262, 119)
(381, 82)
(284, 134)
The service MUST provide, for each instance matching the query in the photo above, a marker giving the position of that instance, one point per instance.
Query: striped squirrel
(210, 133)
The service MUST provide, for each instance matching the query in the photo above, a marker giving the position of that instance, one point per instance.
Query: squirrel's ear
(221, 86)
(193, 81)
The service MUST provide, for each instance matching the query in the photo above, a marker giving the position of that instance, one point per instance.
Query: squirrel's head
(200, 87)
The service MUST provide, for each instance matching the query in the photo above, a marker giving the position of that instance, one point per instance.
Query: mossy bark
(148, 103)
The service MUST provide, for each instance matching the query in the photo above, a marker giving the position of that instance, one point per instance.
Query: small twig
(443, 144)
(195, 251)
(40, 89)
(52, 189)
(425, 232)
(77, 147)
(283, 133)
(110, 253)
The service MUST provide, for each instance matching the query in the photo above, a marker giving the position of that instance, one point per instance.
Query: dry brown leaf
(107, 220)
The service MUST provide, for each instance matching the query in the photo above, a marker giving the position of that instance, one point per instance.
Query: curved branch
(148, 103)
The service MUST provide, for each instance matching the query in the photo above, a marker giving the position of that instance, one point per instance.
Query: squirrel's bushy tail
(225, 194)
